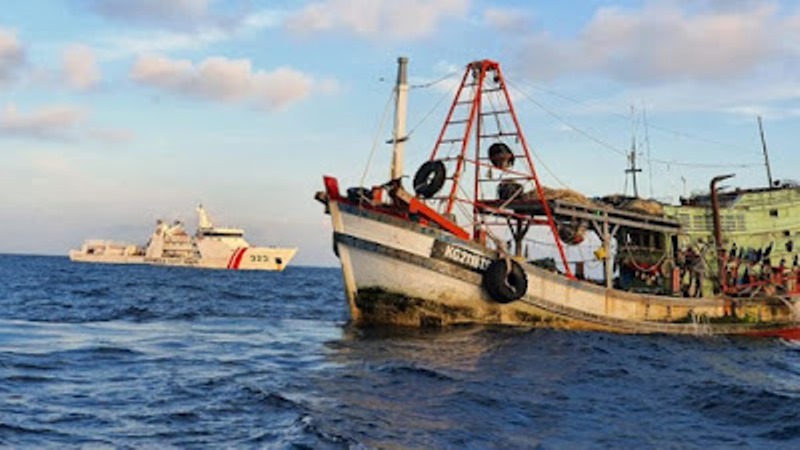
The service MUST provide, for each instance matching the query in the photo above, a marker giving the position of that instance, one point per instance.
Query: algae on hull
(379, 306)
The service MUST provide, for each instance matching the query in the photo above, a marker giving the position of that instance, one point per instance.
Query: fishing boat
(210, 247)
(452, 249)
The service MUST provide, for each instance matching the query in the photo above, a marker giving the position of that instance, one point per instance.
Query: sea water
(102, 356)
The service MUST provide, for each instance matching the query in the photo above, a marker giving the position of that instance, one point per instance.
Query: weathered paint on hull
(392, 277)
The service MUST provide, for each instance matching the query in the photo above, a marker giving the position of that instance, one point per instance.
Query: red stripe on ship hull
(233, 258)
(239, 259)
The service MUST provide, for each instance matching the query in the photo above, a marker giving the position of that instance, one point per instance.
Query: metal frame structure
(481, 80)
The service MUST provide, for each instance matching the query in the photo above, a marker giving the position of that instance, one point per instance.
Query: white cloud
(80, 67)
(111, 135)
(52, 164)
(138, 42)
(409, 19)
(507, 20)
(720, 5)
(50, 122)
(124, 45)
(733, 58)
(662, 42)
(12, 54)
(220, 78)
(160, 12)
(56, 122)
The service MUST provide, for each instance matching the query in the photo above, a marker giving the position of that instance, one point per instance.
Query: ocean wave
(402, 371)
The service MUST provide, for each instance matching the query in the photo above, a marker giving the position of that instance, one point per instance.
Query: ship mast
(401, 106)
(764, 147)
(632, 170)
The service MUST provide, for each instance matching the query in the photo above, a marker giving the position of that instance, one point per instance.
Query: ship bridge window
(773, 213)
(221, 234)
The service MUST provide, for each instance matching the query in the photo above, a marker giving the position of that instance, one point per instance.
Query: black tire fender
(505, 280)
(430, 178)
(501, 155)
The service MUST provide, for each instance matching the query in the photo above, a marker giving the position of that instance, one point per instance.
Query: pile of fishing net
(633, 204)
(566, 195)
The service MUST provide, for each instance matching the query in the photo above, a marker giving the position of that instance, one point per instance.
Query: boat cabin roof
(730, 198)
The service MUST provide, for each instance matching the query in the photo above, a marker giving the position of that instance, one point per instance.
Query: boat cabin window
(219, 234)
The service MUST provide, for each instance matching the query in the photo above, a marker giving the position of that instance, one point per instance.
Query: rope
(547, 169)
(444, 96)
(622, 152)
(626, 247)
(566, 122)
(666, 130)
(376, 140)
(434, 82)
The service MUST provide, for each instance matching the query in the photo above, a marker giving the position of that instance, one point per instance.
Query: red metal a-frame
(482, 111)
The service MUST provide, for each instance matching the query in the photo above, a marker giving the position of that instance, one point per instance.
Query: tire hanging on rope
(505, 280)
(429, 178)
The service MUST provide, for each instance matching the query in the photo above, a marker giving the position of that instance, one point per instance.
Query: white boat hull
(78, 256)
(247, 258)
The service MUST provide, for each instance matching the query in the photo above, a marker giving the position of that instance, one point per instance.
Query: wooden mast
(400, 112)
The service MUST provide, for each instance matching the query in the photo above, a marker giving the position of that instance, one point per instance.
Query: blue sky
(116, 113)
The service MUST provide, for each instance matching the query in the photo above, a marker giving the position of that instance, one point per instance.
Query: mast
(649, 158)
(632, 169)
(766, 154)
(718, 240)
(401, 106)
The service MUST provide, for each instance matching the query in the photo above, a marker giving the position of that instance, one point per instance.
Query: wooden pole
(609, 262)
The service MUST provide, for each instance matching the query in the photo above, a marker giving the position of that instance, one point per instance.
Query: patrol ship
(171, 245)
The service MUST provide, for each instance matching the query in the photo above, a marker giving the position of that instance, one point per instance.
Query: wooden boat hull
(400, 273)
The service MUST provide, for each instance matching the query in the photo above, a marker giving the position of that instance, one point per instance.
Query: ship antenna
(649, 157)
(766, 154)
(632, 170)
(401, 105)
